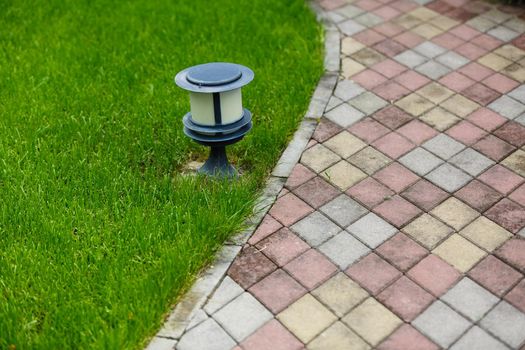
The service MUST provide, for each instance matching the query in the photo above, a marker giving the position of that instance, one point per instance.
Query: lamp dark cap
(214, 77)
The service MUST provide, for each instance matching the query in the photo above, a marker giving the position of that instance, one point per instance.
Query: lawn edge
(185, 314)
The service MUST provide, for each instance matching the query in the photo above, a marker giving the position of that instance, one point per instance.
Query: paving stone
(368, 130)
(495, 275)
(300, 174)
(518, 195)
(507, 323)
(503, 33)
(369, 37)
(516, 162)
(434, 274)
(459, 252)
(410, 58)
(316, 229)
(389, 68)
(392, 117)
(518, 93)
(401, 251)
(513, 133)
(372, 230)
(343, 249)
(207, 335)
(427, 230)
(397, 210)
(311, 268)
(407, 337)
(452, 60)
(338, 337)
(476, 338)
(368, 19)
(411, 80)
(340, 294)
(333, 102)
(486, 119)
(343, 210)
(460, 106)
(370, 192)
(439, 118)
(347, 89)
(443, 146)
(350, 27)
(478, 195)
(507, 107)
(282, 246)
(319, 158)
(405, 298)
(272, 336)
(494, 62)
(350, 11)
(250, 266)
(441, 324)
(500, 83)
(368, 103)
(471, 161)
(457, 81)
(343, 175)
(393, 145)
(417, 131)
(517, 296)
(424, 194)
(396, 177)
(420, 161)
(369, 79)
(508, 214)
(268, 226)
(485, 233)
(429, 49)
(372, 321)
(501, 179)
(481, 94)
(296, 317)
(448, 177)
(226, 292)
(345, 144)
(373, 273)
(512, 253)
(316, 192)
(493, 147)
(369, 160)
(242, 316)
(325, 129)
(435, 92)
(344, 115)
(432, 69)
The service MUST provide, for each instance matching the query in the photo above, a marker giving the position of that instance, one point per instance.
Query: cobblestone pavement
(403, 225)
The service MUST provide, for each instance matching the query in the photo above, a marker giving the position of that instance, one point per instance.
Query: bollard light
(217, 117)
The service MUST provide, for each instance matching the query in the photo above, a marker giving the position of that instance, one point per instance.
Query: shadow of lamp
(217, 117)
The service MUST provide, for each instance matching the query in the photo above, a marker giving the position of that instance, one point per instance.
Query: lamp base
(217, 164)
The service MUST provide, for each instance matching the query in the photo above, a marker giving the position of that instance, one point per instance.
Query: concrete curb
(188, 313)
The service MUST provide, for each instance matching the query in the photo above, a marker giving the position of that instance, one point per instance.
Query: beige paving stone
(439, 118)
(516, 162)
(298, 318)
(351, 67)
(486, 233)
(435, 92)
(414, 104)
(427, 230)
(459, 252)
(372, 321)
(423, 13)
(340, 294)
(459, 105)
(368, 57)
(350, 45)
(515, 71)
(343, 175)
(345, 144)
(455, 213)
(369, 160)
(443, 22)
(319, 158)
(427, 30)
(494, 61)
(408, 21)
(510, 52)
(496, 15)
(338, 337)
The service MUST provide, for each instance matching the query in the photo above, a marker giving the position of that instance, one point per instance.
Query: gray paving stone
(410, 58)
(482, 24)
(441, 324)
(226, 292)
(507, 107)
(503, 33)
(158, 343)
(520, 119)
(343, 210)
(334, 17)
(368, 19)
(350, 11)
(208, 335)
(368, 102)
(476, 338)
(242, 316)
(448, 177)
(420, 161)
(199, 317)
(443, 146)
(347, 89)
(429, 49)
(344, 249)
(350, 27)
(344, 115)
(471, 161)
(518, 93)
(516, 24)
(507, 323)
(432, 69)
(372, 230)
(470, 299)
(316, 228)
(332, 103)
(452, 60)
(497, 16)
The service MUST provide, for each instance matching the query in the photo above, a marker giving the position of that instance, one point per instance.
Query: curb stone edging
(188, 312)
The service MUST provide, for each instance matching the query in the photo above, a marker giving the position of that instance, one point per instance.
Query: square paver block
(250, 266)
(372, 321)
(338, 337)
(448, 177)
(393, 145)
(434, 274)
(512, 132)
(373, 273)
(466, 132)
(432, 69)
(501, 179)
(507, 323)
(420, 161)
(396, 176)
(282, 246)
(405, 298)
(392, 116)
(319, 158)
(518, 195)
(494, 147)
(429, 49)
(347, 89)
(316, 192)
(345, 144)
(435, 92)
(478, 195)
(343, 210)
(226, 292)
(459, 252)
(370, 192)
(372, 230)
(289, 209)
(441, 324)
(300, 174)
(401, 251)
(485, 233)
(512, 253)
(344, 115)
(311, 268)
(470, 299)
(477, 338)
(207, 335)
(516, 162)
(368, 103)
(340, 294)
(439, 118)
(272, 336)
(507, 107)
(443, 146)
(471, 161)
(460, 106)
(343, 175)
(397, 210)
(407, 337)
(297, 318)
(517, 296)
(452, 60)
(425, 195)
(368, 129)
(508, 214)
(455, 213)
(242, 316)
(369, 160)
(427, 230)
(316, 229)
(414, 104)
(486, 119)
(417, 131)
(410, 58)
(268, 226)
(495, 275)
(344, 249)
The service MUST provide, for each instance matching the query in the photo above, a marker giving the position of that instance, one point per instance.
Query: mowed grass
(99, 231)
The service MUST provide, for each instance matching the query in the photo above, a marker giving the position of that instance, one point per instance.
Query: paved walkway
(402, 227)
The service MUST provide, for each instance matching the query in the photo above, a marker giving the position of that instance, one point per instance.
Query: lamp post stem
(217, 164)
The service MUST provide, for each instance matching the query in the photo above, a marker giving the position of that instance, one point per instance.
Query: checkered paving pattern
(403, 225)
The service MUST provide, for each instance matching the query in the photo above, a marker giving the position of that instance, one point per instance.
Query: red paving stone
(391, 91)
(311, 268)
(282, 246)
(250, 266)
(397, 211)
(425, 195)
(407, 337)
(396, 177)
(434, 274)
(368, 130)
(481, 94)
(500, 83)
(369, 192)
(369, 79)
(456, 81)
(417, 132)
(512, 253)
(517, 296)
(493, 147)
(389, 68)
(466, 132)
(393, 145)
(289, 208)
(495, 275)
(273, 335)
(316, 192)
(373, 273)
(392, 117)
(508, 214)
(518, 195)
(513, 133)
(486, 119)
(501, 179)
(478, 195)
(325, 130)
(268, 226)
(412, 80)
(401, 251)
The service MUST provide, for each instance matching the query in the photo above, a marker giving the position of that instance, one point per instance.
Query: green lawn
(99, 232)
